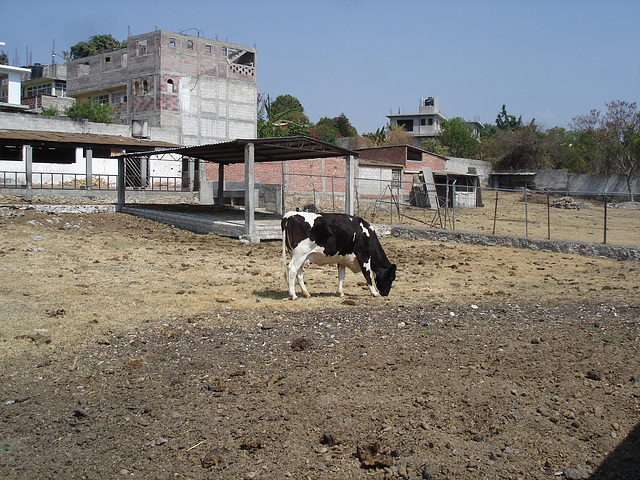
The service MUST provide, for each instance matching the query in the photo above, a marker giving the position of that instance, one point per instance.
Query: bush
(51, 111)
(91, 111)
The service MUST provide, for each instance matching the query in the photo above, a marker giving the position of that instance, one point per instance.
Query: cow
(334, 238)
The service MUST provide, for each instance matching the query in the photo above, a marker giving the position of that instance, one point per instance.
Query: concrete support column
(28, 165)
(249, 202)
(143, 172)
(89, 171)
(221, 184)
(192, 174)
(349, 187)
(121, 185)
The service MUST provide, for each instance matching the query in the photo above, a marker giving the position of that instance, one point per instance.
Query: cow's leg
(342, 271)
(294, 271)
(300, 278)
(369, 276)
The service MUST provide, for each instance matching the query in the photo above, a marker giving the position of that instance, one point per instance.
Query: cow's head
(384, 279)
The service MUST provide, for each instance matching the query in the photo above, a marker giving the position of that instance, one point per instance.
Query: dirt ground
(131, 349)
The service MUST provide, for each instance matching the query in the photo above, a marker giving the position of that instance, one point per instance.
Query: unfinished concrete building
(173, 87)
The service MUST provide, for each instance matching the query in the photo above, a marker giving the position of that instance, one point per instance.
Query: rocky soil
(135, 350)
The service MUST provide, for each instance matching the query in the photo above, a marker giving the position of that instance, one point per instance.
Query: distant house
(427, 123)
(425, 176)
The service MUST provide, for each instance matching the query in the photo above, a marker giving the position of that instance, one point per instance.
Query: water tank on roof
(429, 102)
(36, 71)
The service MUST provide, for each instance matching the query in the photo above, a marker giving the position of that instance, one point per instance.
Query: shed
(249, 151)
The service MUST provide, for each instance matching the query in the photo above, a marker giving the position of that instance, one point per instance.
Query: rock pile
(569, 203)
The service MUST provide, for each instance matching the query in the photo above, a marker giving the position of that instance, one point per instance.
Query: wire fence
(597, 217)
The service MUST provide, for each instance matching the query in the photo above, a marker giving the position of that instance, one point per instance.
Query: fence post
(526, 212)
(453, 204)
(605, 220)
(495, 213)
(548, 217)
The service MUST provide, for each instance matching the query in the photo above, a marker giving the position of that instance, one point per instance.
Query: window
(107, 59)
(172, 42)
(136, 89)
(207, 48)
(189, 45)
(44, 89)
(145, 87)
(119, 97)
(431, 121)
(142, 47)
(423, 122)
(100, 99)
(170, 86)
(407, 124)
(224, 52)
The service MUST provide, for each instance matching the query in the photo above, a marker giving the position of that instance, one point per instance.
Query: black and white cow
(328, 238)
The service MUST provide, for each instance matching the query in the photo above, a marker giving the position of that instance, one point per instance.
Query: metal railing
(76, 181)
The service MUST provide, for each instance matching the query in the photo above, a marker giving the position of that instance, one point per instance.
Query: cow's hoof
(306, 295)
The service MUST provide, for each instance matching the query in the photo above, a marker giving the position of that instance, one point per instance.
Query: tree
(280, 118)
(397, 135)
(457, 136)
(96, 45)
(433, 145)
(612, 138)
(288, 107)
(377, 137)
(4, 58)
(505, 121)
(330, 129)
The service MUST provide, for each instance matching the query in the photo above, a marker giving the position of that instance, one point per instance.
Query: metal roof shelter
(249, 152)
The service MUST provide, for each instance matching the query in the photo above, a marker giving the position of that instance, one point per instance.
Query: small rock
(161, 441)
(575, 474)
(210, 459)
(300, 344)
(594, 375)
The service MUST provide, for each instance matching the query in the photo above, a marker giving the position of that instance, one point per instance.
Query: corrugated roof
(265, 150)
(78, 139)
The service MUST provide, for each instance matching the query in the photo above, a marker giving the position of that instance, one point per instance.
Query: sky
(545, 60)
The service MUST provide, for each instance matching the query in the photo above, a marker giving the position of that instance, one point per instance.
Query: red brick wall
(300, 175)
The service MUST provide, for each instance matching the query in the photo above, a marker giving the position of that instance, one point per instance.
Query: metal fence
(597, 217)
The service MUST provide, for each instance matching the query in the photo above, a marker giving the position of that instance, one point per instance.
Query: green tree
(91, 111)
(377, 137)
(96, 45)
(457, 136)
(612, 138)
(289, 108)
(4, 58)
(281, 118)
(330, 129)
(504, 121)
(434, 146)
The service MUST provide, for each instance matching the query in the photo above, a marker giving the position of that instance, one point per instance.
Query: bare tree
(614, 137)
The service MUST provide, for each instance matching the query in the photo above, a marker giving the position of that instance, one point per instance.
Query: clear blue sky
(545, 59)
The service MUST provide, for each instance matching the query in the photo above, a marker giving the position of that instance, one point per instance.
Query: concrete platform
(225, 221)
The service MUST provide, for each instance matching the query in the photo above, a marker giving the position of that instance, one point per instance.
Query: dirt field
(132, 349)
